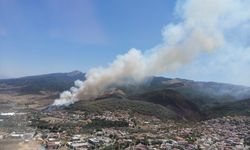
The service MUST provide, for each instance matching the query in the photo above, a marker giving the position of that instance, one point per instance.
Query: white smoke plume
(203, 27)
(69, 97)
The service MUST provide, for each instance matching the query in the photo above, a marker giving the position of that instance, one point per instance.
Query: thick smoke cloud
(203, 26)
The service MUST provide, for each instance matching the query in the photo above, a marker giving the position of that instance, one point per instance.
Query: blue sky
(44, 36)
(47, 36)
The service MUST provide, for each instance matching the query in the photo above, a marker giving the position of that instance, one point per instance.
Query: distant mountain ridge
(179, 97)
(201, 93)
(56, 82)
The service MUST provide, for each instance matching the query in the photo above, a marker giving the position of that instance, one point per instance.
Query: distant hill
(56, 82)
(204, 94)
(201, 93)
(157, 95)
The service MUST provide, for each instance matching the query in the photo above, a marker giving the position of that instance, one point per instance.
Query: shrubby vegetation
(241, 108)
(133, 106)
(101, 123)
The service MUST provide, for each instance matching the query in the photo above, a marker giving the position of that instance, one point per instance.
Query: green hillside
(173, 100)
(230, 109)
(132, 106)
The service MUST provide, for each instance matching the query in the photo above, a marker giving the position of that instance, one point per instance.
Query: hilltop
(55, 82)
(178, 98)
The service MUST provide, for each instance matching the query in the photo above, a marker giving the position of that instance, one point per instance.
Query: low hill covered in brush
(231, 109)
(131, 106)
(158, 96)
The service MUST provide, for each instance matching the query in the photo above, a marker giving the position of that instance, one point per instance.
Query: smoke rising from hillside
(203, 27)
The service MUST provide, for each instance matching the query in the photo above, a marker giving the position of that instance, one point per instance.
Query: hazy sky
(45, 36)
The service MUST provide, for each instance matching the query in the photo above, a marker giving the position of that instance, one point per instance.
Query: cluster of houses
(142, 132)
(220, 133)
(14, 125)
(95, 140)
